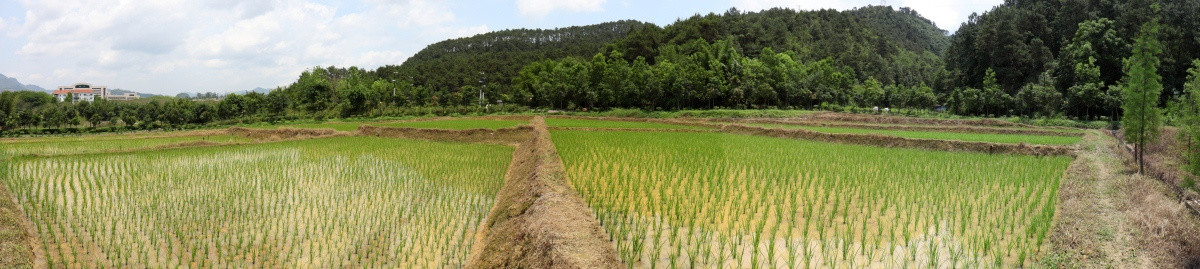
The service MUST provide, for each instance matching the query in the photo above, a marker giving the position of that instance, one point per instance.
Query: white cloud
(455, 32)
(540, 8)
(169, 46)
(756, 5)
(947, 14)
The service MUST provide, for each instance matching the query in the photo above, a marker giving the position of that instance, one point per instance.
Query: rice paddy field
(996, 128)
(682, 200)
(614, 124)
(325, 203)
(456, 124)
(666, 196)
(106, 143)
(970, 137)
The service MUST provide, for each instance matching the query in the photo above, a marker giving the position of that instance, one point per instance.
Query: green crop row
(681, 200)
(590, 123)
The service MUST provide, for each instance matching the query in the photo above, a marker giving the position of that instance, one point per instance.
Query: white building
(123, 97)
(88, 92)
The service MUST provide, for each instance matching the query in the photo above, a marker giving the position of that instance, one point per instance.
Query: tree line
(319, 93)
(699, 74)
(457, 67)
(1076, 47)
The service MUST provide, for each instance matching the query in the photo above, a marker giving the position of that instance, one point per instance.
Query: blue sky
(172, 46)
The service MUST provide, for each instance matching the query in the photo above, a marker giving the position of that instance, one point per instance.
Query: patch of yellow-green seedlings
(324, 203)
(687, 200)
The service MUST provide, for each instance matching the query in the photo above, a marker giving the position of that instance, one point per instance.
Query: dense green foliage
(894, 46)
(312, 97)
(454, 71)
(1082, 44)
(1190, 133)
(731, 60)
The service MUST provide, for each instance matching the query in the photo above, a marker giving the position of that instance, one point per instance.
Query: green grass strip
(970, 137)
(589, 123)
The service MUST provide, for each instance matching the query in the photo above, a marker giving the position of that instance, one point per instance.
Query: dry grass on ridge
(1108, 217)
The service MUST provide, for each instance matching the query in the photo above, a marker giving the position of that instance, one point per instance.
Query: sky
(173, 46)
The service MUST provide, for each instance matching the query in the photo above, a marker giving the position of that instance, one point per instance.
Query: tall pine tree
(1142, 87)
(1191, 114)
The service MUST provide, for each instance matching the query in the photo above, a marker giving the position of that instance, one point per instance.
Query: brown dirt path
(504, 136)
(648, 130)
(17, 238)
(539, 220)
(1110, 218)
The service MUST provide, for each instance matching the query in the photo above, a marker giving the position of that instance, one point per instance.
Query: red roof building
(80, 92)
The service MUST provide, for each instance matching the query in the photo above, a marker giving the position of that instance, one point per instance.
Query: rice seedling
(766, 202)
(456, 124)
(334, 202)
(590, 123)
(970, 137)
(97, 144)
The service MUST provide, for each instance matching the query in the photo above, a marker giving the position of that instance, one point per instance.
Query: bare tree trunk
(1141, 160)
(1142, 138)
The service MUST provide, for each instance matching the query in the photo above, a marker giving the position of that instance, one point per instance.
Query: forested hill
(1078, 47)
(876, 41)
(559, 42)
(908, 29)
(496, 57)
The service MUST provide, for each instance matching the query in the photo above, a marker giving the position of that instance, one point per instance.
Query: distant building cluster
(88, 92)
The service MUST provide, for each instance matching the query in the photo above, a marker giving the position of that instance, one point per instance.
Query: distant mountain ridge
(494, 58)
(256, 89)
(120, 92)
(11, 84)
